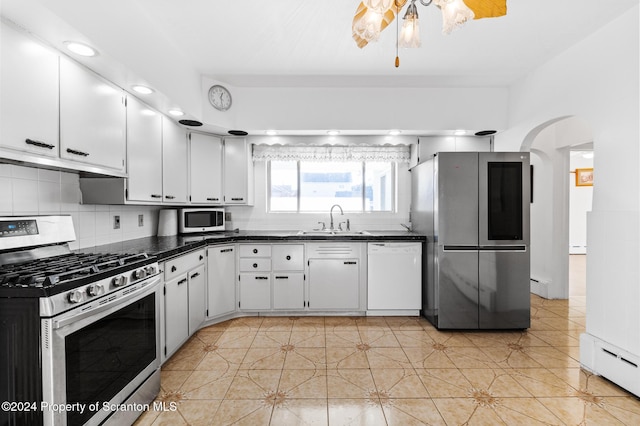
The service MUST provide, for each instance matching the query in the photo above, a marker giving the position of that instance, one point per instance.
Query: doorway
(580, 201)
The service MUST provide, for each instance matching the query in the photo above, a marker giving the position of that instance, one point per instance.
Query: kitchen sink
(335, 232)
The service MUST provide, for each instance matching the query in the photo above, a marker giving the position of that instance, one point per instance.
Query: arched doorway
(550, 145)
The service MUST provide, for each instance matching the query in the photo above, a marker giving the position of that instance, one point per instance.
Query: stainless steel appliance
(201, 220)
(79, 331)
(474, 208)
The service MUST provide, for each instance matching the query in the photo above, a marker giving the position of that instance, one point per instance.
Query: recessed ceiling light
(80, 48)
(176, 112)
(394, 132)
(271, 132)
(147, 112)
(143, 90)
(333, 132)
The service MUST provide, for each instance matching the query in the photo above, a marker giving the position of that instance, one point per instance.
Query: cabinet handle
(173, 268)
(282, 277)
(255, 265)
(156, 196)
(226, 250)
(237, 199)
(169, 197)
(350, 263)
(197, 274)
(76, 152)
(201, 257)
(255, 251)
(288, 257)
(39, 144)
(262, 278)
(213, 199)
(182, 281)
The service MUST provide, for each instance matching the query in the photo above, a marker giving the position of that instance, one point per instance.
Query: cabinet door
(222, 280)
(206, 169)
(144, 152)
(174, 163)
(255, 292)
(28, 94)
(238, 173)
(92, 118)
(287, 257)
(334, 284)
(175, 313)
(288, 290)
(197, 298)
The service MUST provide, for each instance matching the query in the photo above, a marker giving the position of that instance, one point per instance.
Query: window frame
(393, 186)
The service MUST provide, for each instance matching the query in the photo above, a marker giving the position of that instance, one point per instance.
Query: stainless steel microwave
(200, 220)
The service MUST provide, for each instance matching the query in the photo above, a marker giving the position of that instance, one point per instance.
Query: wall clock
(220, 97)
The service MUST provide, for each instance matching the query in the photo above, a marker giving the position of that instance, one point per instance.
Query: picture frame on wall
(584, 177)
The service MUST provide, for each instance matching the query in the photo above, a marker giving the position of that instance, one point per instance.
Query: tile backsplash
(30, 191)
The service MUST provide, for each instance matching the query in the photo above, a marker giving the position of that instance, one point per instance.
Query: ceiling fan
(373, 16)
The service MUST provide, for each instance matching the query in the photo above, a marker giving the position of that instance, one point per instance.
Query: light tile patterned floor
(389, 370)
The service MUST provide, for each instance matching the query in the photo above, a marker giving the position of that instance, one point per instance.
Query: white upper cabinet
(144, 152)
(206, 169)
(238, 172)
(28, 94)
(174, 163)
(92, 118)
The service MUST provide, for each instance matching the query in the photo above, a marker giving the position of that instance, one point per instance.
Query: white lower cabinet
(176, 321)
(184, 299)
(221, 284)
(334, 284)
(335, 276)
(288, 291)
(197, 298)
(255, 291)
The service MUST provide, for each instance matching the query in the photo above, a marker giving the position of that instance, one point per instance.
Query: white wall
(365, 108)
(598, 81)
(26, 191)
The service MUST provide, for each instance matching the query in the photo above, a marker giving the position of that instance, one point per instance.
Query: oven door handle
(116, 303)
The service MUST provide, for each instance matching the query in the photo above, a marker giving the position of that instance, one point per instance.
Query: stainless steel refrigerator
(474, 208)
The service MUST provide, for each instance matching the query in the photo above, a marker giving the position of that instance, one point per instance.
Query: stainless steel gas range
(79, 331)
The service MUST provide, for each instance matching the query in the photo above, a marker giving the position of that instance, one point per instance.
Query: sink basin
(335, 232)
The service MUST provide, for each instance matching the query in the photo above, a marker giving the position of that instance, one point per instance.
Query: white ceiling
(308, 43)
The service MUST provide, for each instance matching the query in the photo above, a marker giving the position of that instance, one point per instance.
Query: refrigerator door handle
(504, 248)
(457, 247)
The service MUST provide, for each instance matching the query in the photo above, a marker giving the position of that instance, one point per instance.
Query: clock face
(220, 98)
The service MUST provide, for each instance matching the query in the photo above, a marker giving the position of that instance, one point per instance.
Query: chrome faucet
(331, 215)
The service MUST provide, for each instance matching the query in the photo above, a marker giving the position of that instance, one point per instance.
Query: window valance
(395, 153)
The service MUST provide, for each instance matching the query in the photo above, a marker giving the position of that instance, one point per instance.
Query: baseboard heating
(611, 362)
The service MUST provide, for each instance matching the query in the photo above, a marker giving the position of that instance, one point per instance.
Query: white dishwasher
(394, 276)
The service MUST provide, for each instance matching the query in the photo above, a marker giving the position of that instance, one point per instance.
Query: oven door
(93, 360)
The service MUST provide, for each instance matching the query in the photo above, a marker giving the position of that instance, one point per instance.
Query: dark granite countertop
(166, 247)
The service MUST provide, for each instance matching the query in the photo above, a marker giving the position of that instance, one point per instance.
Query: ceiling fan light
(410, 32)
(368, 27)
(454, 14)
(379, 6)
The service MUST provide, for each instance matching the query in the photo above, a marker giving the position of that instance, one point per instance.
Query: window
(314, 186)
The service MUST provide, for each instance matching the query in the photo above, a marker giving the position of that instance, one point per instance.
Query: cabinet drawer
(182, 264)
(255, 265)
(287, 257)
(255, 250)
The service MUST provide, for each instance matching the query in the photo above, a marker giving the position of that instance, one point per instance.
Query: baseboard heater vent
(620, 358)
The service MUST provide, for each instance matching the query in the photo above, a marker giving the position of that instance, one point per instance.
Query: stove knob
(150, 270)
(75, 296)
(95, 290)
(119, 281)
(139, 274)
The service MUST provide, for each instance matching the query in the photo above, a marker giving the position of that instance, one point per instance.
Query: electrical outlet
(140, 220)
(116, 222)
